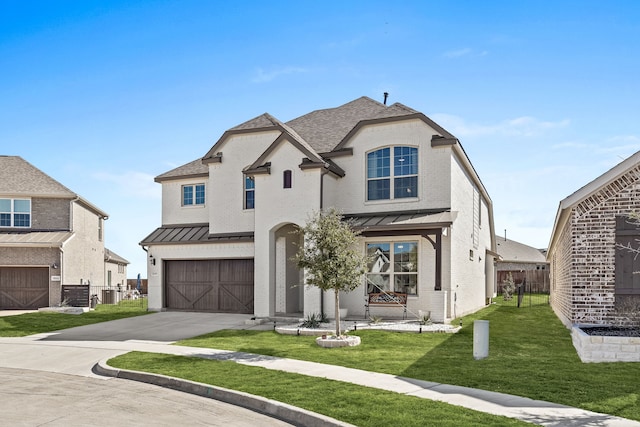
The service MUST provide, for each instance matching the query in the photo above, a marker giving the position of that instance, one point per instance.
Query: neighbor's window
(392, 267)
(249, 193)
(193, 195)
(392, 180)
(15, 213)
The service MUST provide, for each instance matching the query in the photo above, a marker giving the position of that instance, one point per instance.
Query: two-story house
(228, 218)
(49, 236)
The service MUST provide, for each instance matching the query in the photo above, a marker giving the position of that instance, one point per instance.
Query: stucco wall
(84, 252)
(172, 210)
(468, 286)
(349, 193)
(275, 207)
(227, 213)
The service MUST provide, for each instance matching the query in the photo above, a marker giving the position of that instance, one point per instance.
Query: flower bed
(592, 347)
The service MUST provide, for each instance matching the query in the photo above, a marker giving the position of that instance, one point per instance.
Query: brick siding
(583, 265)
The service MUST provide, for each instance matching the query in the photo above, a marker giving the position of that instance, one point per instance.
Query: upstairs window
(15, 213)
(286, 179)
(193, 195)
(397, 179)
(249, 193)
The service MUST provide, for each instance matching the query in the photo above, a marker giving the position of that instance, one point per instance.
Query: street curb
(288, 413)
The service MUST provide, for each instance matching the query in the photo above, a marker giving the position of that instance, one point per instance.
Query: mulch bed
(612, 331)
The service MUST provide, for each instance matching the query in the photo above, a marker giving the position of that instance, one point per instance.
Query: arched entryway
(289, 288)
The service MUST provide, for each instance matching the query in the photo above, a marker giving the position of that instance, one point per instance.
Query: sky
(103, 96)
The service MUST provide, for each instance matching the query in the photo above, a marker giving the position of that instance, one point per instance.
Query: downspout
(322, 174)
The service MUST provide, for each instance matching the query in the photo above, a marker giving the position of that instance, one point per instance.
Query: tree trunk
(337, 294)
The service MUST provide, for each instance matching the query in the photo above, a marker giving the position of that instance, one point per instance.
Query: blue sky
(106, 95)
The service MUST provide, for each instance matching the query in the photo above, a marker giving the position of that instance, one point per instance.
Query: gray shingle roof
(195, 168)
(317, 132)
(324, 129)
(512, 251)
(19, 177)
(113, 257)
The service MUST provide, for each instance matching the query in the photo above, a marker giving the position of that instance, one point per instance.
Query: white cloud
(519, 126)
(263, 76)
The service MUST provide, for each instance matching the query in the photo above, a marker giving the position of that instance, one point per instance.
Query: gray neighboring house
(115, 270)
(522, 262)
(49, 237)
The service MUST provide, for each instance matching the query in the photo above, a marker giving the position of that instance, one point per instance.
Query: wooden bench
(388, 299)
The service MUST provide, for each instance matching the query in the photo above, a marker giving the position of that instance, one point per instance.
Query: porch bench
(388, 299)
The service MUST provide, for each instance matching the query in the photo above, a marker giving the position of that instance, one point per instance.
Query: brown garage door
(24, 288)
(216, 285)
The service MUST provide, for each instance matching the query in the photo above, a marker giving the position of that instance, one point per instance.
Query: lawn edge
(270, 407)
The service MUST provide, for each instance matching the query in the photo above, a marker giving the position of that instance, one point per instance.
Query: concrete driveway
(164, 327)
(47, 378)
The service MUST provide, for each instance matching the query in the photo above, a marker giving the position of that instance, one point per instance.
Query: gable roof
(325, 129)
(112, 257)
(20, 178)
(194, 169)
(588, 190)
(512, 251)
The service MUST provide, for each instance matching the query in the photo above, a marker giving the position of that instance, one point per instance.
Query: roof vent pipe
(386, 95)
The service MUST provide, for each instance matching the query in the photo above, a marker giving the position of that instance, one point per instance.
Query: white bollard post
(480, 339)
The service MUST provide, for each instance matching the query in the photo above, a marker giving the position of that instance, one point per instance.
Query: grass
(40, 322)
(530, 354)
(354, 404)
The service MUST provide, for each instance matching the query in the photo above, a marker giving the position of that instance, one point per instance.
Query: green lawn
(530, 354)
(354, 404)
(39, 322)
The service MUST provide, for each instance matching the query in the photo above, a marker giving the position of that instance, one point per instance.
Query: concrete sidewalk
(532, 411)
(75, 351)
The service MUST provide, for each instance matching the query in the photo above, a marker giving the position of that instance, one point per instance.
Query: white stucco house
(226, 241)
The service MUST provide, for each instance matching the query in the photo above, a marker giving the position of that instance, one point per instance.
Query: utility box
(480, 339)
(108, 296)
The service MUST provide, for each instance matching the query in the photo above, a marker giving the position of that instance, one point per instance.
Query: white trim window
(15, 213)
(392, 267)
(193, 195)
(249, 192)
(397, 180)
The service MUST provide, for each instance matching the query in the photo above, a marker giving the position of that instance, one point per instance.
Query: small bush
(313, 321)
(508, 288)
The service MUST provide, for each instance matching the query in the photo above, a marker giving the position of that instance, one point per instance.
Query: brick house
(590, 272)
(226, 241)
(49, 237)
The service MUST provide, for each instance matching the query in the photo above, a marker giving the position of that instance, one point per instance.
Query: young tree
(331, 256)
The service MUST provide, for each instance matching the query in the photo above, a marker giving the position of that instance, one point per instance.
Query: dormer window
(15, 213)
(193, 195)
(392, 180)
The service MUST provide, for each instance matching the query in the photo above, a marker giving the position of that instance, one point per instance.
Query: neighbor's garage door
(24, 288)
(219, 285)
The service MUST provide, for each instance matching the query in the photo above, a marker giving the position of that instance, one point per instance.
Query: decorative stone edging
(65, 310)
(342, 341)
(598, 348)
